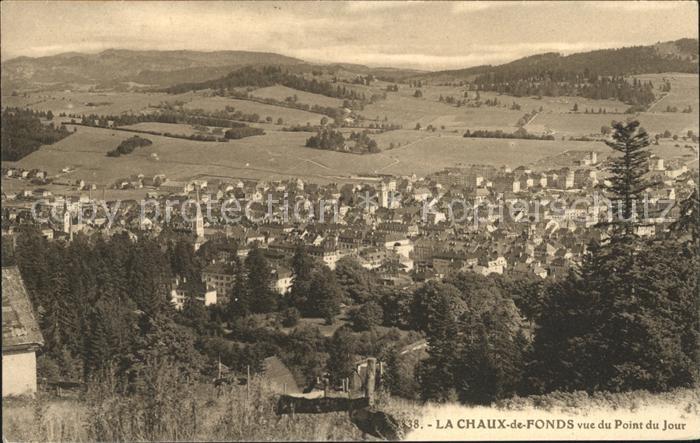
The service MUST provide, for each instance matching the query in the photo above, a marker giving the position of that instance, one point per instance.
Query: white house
(21, 337)
(178, 297)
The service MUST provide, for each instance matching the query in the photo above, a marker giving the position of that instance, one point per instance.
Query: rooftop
(20, 329)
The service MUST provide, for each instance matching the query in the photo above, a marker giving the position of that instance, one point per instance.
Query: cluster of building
(483, 219)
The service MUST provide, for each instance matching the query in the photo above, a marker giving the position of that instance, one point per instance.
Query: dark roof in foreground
(19, 327)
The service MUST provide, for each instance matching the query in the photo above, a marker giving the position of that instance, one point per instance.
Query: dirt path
(649, 109)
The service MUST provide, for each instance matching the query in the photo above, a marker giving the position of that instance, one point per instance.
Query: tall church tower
(199, 220)
(383, 196)
(67, 219)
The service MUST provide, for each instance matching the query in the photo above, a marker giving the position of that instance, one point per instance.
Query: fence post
(369, 383)
(247, 385)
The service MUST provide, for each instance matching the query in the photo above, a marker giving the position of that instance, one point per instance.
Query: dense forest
(198, 118)
(330, 139)
(23, 132)
(188, 117)
(520, 133)
(556, 83)
(289, 102)
(600, 74)
(104, 305)
(242, 132)
(129, 145)
(269, 76)
(676, 56)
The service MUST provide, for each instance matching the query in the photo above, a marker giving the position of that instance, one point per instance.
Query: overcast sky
(432, 35)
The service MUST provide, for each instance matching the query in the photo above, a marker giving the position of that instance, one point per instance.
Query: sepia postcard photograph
(350, 220)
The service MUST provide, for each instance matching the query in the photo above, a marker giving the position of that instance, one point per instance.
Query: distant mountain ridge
(113, 68)
(122, 65)
(674, 56)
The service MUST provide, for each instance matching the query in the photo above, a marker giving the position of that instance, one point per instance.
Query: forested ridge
(600, 74)
(269, 76)
(23, 132)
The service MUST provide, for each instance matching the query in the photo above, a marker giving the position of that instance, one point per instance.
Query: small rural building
(21, 337)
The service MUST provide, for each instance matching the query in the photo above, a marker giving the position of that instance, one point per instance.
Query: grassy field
(436, 152)
(194, 413)
(684, 91)
(172, 128)
(280, 154)
(402, 108)
(203, 412)
(585, 124)
(407, 111)
(290, 116)
(106, 103)
(281, 93)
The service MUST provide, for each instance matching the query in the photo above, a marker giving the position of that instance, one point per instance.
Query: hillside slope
(676, 56)
(120, 65)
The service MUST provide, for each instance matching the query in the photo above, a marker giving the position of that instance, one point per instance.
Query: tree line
(520, 133)
(129, 145)
(333, 140)
(636, 93)
(23, 132)
(270, 76)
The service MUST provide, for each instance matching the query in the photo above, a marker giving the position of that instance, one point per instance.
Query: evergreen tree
(627, 177)
(435, 312)
(491, 361)
(238, 299)
(195, 314)
(341, 355)
(302, 268)
(262, 297)
(391, 381)
(625, 324)
(324, 295)
(98, 351)
(562, 357)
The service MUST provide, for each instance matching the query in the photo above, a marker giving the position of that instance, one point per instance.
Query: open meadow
(406, 151)
(78, 102)
(280, 154)
(290, 116)
(172, 128)
(279, 92)
(684, 91)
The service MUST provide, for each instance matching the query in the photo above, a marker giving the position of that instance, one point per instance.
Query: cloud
(424, 35)
(364, 6)
(637, 5)
(483, 5)
(471, 54)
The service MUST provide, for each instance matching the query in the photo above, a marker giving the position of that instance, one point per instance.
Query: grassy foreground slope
(205, 414)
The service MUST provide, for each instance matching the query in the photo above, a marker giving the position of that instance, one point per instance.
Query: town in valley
(267, 234)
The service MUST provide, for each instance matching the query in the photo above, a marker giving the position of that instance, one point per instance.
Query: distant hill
(675, 56)
(120, 68)
(145, 67)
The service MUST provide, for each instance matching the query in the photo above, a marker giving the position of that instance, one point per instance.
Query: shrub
(290, 317)
(128, 146)
(367, 316)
